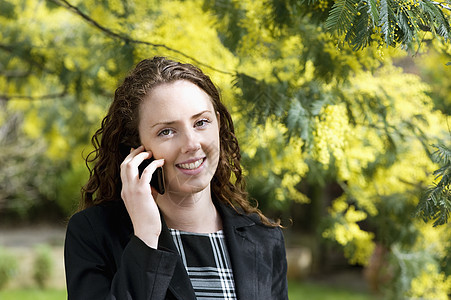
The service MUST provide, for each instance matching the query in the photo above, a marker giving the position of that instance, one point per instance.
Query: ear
(218, 117)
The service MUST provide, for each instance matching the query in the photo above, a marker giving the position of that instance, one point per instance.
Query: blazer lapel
(242, 252)
(180, 284)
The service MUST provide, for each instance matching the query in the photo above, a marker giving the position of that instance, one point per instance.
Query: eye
(202, 123)
(165, 132)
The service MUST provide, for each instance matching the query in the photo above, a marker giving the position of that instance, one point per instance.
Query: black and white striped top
(207, 262)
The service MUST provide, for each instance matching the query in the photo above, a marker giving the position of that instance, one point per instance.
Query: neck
(191, 213)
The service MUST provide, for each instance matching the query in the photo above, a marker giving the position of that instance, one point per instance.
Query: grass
(315, 291)
(33, 294)
(296, 291)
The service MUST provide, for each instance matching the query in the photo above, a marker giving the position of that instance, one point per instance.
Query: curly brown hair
(119, 132)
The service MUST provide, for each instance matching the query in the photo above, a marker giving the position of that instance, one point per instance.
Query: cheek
(167, 153)
(213, 148)
(159, 150)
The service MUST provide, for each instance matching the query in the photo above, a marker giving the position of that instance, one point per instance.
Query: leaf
(341, 16)
(436, 201)
(373, 12)
(359, 33)
(298, 119)
(386, 21)
(437, 21)
(230, 17)
(442, 154)
(260, 99)
(405, 32)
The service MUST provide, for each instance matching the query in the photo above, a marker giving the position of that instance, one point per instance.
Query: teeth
(191, 166)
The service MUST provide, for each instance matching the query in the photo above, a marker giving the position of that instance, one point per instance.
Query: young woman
(200, 238)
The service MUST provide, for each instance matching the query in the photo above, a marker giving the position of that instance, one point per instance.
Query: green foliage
(8, 267)
(435, 204)
(399, 21)
(393, 226)
(27, 175)
(341, 16)
(416, 274)
(359, 23)
(233, 32)
(42, 265)
(407, 265)
(310, 111)
(68, 187)
(49, 125)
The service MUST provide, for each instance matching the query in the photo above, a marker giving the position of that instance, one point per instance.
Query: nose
(191, 142)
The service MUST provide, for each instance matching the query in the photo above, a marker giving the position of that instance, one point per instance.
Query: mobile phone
(157, 180)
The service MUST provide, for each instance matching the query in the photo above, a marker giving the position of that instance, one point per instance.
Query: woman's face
(178, 123)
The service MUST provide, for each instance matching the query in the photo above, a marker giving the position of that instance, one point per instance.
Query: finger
(132, 154)
(148, 172)
(129, 168)
(139, 158)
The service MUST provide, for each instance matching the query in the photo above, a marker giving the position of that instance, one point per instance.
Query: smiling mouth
(191, 166)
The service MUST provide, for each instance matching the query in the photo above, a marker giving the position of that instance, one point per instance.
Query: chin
(190, 188)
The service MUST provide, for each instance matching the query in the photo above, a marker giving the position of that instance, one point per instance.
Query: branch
(6, 97)
(14, 73)
(26, 58)
(127, 39)
(442, 5)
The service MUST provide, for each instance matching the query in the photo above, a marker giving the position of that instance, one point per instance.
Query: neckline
(178, 231)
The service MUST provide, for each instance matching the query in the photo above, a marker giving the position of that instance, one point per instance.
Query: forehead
(173, 101)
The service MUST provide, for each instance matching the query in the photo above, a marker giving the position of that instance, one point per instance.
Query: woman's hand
(138, 196)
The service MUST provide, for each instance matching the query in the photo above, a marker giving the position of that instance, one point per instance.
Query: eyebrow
(166, 123)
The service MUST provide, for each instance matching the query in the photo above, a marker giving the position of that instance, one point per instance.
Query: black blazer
(104, 260)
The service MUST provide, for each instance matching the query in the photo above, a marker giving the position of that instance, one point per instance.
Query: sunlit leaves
(229, 18)
(436, 202)
(400, 21)
(309, 110)
(358, 244)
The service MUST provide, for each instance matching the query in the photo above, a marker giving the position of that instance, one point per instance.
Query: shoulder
(264, 231)
(103, 218)
(250, 225)
(101, 212)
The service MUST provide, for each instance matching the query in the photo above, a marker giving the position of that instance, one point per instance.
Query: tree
(320, 123)
(345, 111)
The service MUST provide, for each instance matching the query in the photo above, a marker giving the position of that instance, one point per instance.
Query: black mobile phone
(157, 180)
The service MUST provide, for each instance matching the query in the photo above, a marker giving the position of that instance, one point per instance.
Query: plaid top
(207, 262)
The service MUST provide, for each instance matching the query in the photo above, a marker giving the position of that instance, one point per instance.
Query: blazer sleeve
(142, 273)
(279, 288)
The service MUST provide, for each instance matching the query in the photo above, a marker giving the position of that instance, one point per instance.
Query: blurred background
(341, 109)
